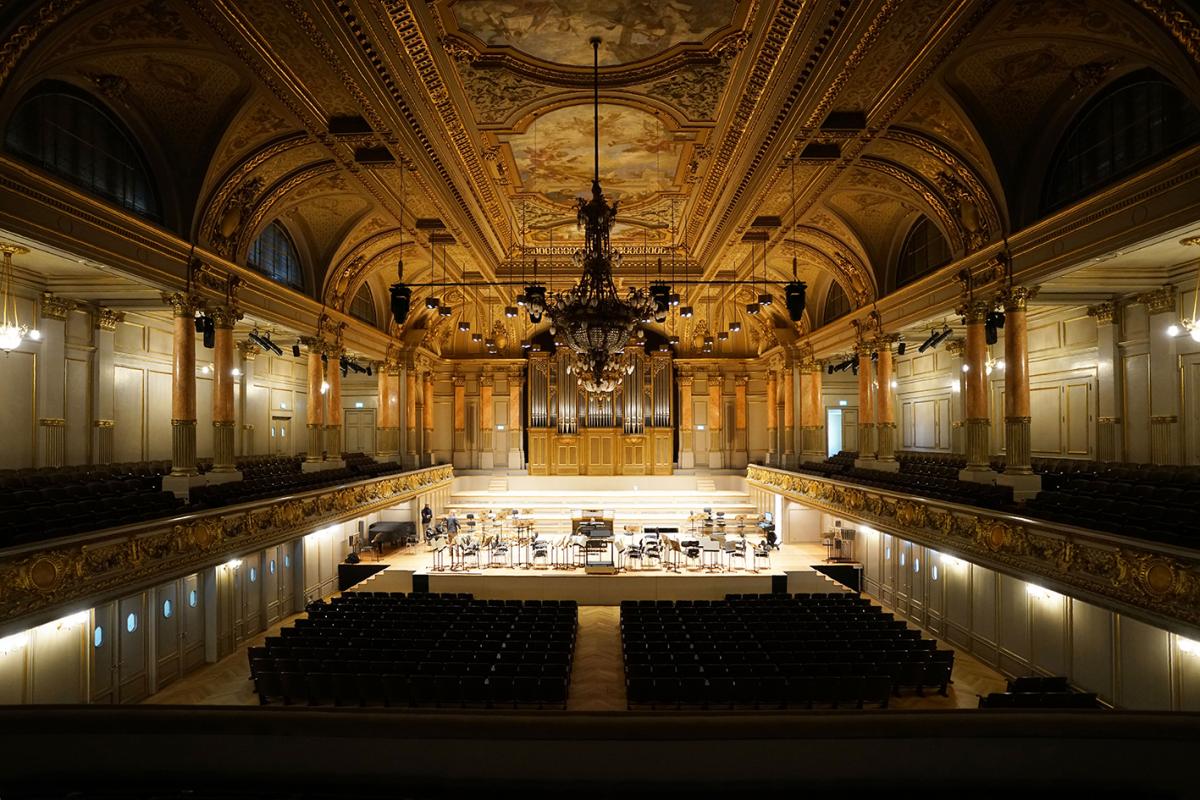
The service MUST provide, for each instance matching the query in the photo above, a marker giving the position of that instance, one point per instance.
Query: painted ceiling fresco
(558, 30)
(554, 155)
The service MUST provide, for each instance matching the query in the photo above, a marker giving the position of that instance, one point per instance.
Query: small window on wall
(193, 599)
(363, 306)
(167, 609)
(287, 561)
(98, 637)
(131, 622)
(933, 572)
(253, 574)
(271, 566)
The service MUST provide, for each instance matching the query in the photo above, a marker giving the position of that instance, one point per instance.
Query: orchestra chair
(762, 556)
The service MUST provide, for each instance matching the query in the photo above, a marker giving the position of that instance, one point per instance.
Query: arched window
(274, 254)
(924, 250)
(1134, 122)
(65, 131)
(363, 306)
(837, 304)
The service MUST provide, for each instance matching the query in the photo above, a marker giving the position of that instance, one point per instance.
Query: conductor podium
(595, 528)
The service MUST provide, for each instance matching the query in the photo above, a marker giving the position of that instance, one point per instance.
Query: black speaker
(296, 350)
(210, 333)
(989, 333)
(794, 296)
(401, 302)
(352, 558)
(900, 348)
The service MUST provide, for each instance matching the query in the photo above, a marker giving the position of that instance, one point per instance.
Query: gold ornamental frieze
(1140, 581)
(149, 553)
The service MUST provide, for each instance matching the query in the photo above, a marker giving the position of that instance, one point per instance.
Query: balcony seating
(421, 650)
(773, 651)
(935, 479)
(278, 480)
(1040, 692)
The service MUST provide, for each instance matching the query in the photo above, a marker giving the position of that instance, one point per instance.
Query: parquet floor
(597, 678)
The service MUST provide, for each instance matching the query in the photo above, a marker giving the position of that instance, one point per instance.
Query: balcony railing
(1157, 583)
(39, 580)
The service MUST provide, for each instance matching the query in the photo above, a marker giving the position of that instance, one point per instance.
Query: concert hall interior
(598, 396)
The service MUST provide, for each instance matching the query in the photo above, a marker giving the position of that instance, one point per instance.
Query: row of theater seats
(421, 650)
(266, 484)
(1040, 692)
(937, 484)
(773, 651)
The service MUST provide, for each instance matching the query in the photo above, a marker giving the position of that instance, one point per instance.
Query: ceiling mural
(554, 155)
(558, 30)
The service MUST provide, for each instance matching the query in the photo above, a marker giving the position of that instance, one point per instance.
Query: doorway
(833, 431)
(359, 427)
(281, 436)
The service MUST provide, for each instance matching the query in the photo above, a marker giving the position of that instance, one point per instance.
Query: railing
(1154, 582)
(40, 579)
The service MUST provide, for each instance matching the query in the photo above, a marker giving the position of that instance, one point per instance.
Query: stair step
(498, 485)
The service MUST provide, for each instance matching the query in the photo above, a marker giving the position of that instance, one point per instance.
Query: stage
(791, 570)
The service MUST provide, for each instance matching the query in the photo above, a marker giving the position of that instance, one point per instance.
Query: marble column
(1109, 444)
(716, 446)
(316, 402)
(387, 379)
(411, 397)
(687, 453)
(183, 386)
(741, 445)
(866, 408)
(1017, 471)
(334, 442)
(772, 417)
(458, 455)
(813, 412)
(516, 457)
(103, 397)
(787, 435)
(885, 408)
(977, 423)
(52, 380)
(487, 421)
(1164, 376)
(427, 419)
(223, 419)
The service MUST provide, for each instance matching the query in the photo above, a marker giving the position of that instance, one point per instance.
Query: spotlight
(941, 337)
(432, 302)
(445, 311)
(510, 311)
(660, 293)
(996, 318)
(265, 341)
(685, 312)
(535, 301)
(199, 324)
(875, 356)
(765, 300)
(673, 340)
(476, 337)
(752, 308)
(854, 367)
(525, 345)
(794, 298)
(296, 350)
(401, 302)
(723, 336)
(490, 344)
(673, 299)
(464, 326)
(735, 327)
(928, 343)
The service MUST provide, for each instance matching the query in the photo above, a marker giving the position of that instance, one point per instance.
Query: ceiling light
(735, 327)
(723, 336)
(464, 326)
(752, 309)
(685, 312)
(432, 302)
(445, 311)
(764, 300)
(510, 311)
(476, 337)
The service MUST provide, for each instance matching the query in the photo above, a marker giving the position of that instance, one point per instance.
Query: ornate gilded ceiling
(350, 121)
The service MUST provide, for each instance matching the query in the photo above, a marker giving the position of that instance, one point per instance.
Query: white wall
(1022, 629)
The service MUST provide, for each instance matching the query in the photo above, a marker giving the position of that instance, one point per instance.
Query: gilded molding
(52, 307)
(1177, 22)
(24, 37)
(149, 553)
(106, 319)
(103, 423)
(52, 422)
(1163, 585)
(1016, 298)
(1159, 301)
(1105, 313)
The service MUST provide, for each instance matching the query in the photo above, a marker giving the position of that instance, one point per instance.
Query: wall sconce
(233, 563)
(1189, 646)
(1040, 592)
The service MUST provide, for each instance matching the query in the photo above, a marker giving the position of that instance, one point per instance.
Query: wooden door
(132, 684)
(168, 663)
(103, 656)
(191, 620)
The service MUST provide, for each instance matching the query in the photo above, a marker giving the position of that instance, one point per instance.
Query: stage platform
(791, 570)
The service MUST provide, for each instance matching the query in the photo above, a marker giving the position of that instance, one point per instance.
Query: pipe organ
(627, 432)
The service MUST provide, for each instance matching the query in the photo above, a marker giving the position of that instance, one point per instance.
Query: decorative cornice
(248, 350)
(1016, 298)
(182, 305)
(1159, 301)
(52, 422)
(133, 557)
(103, 423)
(24, 37)
(956, 347)
(1105, 313)
(53, 307)
(106, 319)
(975, 312)
(1177, 22)
(1159, 584)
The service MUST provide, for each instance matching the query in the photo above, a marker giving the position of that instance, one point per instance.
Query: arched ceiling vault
(352, 121)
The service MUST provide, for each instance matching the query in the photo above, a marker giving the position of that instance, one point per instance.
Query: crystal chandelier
(591, 318)
(11, 329)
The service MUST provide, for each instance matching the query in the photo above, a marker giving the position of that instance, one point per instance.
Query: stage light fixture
(210, 332)
(476, 337)
(432, 302)
(673, 340)
(445, 311)
(510, 311)
(752, 309)
(901, 347)
(685, 312)
(199, 321)
(765, 300)
(296, 350)
(941, 337)
(464, 326)
(673, 299)
(794, 298)
(723, 336)
(369, 372)
(525, 345)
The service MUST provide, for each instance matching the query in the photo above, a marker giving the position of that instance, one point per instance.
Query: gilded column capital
(686, 380)
(1016, 298)
(1159, 301)
(52, 307)
(487, 379)
(1105, 313)
(107, 319)
(975, 311)
(182, 304)
(391, 368)
(810, 365)
(884, 341)
(956, 347)
(315, 344)
(459, 380)
(225, 316)
(741, 379)
(248, 350)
